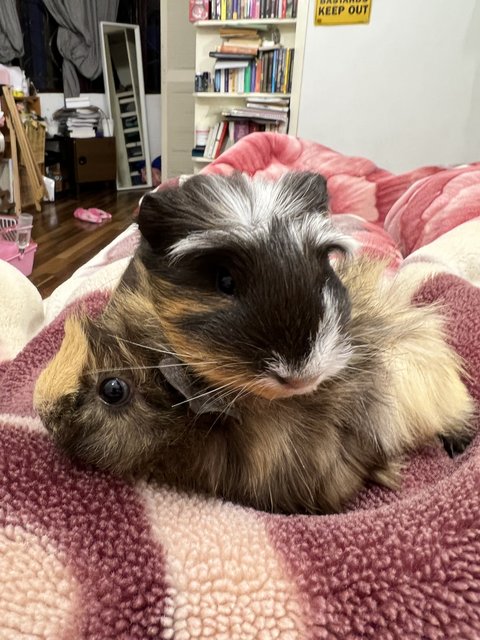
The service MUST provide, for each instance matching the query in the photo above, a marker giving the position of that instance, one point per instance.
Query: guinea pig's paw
(455, 445)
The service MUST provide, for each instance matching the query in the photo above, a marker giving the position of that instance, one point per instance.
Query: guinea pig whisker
(225, 410)
(142, 367)
(205, 393)
(144, 346)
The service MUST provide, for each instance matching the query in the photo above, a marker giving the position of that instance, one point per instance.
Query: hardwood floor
(65, 243)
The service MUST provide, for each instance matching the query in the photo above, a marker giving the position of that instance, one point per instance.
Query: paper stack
(81, 122)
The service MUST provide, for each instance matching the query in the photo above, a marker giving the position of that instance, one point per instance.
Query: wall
(52, 101)
(403, 90)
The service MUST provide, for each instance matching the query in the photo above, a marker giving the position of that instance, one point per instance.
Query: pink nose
(297, 382)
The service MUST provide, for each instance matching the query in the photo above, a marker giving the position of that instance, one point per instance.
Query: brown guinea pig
(246, 354)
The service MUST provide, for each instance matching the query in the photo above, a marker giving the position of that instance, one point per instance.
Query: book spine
(290, 71)
(223, 14)
(281, 70)
(258, 73)
(287, 70)
(274, 70)
(247, 79)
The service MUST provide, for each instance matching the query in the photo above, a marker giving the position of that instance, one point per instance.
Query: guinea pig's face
(246, 291)
(100, 397)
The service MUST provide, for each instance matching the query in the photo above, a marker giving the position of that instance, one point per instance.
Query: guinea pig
(248, 353)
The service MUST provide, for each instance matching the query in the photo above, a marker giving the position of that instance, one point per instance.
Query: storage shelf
(245, 22)
(202, 159)
(209, 95)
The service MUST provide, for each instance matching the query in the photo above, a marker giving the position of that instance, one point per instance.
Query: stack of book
(270, 116)
(217, 140)
(252, 60)
(245, 9)
(259, 114)
(81, 122)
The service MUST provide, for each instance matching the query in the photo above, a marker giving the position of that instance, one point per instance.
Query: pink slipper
(91, 215)
(104, 215)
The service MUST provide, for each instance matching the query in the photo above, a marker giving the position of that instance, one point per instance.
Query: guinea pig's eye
(224, 281)
(114, 391)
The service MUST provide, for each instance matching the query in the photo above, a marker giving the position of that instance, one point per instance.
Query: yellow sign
(342, 11)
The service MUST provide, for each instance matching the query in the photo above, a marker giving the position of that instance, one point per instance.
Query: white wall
(50, 102)
(403, 90)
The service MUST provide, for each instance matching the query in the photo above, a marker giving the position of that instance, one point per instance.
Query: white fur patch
(329, 355)
(246, 212)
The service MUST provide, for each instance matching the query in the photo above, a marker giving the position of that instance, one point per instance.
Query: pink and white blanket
(85, 556)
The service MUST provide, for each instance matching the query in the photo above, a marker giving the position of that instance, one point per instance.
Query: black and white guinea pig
(246, 354)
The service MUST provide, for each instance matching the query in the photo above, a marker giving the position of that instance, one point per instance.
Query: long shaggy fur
(323, 372)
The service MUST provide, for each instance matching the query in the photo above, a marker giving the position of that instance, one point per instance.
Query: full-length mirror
(124, 86)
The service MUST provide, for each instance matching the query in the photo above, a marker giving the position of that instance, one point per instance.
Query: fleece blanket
(86, 556)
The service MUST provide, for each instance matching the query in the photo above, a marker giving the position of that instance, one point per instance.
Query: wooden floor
(65, 243)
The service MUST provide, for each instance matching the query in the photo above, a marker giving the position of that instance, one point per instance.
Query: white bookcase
(208, 106)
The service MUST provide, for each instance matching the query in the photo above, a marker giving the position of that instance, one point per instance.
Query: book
(226, 47)
(231, 64)
(220, 138)
(272, 107)
(255, 114)
(198, 10)
(238, 32)
(82, 132)
(212, 136)
(76, 102)
(222, 55)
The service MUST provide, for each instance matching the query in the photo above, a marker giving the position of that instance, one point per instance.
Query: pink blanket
(85, 556)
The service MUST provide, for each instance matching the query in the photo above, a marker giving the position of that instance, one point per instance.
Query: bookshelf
(210, 106)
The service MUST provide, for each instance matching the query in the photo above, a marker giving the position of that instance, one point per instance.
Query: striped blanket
(86, 556)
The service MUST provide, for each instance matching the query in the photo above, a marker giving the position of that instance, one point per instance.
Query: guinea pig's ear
(158, 219)
(309, 187)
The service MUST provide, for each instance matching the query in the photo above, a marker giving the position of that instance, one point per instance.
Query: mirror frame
(107, 28)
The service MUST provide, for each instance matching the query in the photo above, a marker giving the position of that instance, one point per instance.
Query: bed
(84, 555)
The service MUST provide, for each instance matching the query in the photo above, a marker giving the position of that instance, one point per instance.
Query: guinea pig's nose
(297, 382)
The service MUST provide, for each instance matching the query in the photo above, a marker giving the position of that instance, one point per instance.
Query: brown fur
(308, 453)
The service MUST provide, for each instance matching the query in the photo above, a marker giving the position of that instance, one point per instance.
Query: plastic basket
(8, 226)
(9, 251)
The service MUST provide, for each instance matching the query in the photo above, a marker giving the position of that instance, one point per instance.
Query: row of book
(270, 72)
(252, 9)
(225, 133)
(259, 114)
